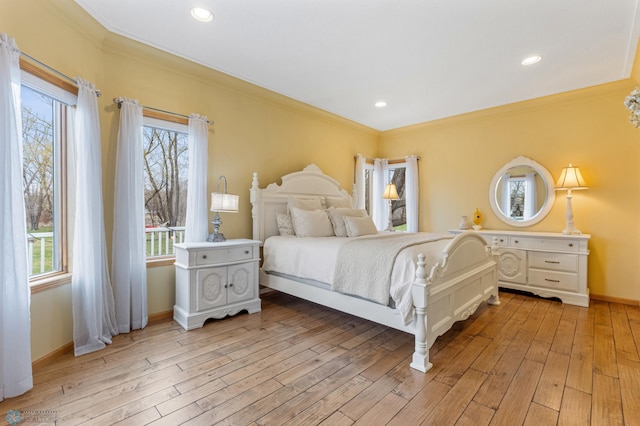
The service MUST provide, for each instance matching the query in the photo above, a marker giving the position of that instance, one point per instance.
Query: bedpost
(420, 359)
(254, 194)
(494, 250)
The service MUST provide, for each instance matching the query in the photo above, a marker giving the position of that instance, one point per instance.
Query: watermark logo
(15, 417)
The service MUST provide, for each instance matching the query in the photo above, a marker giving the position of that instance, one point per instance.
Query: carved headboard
(273, 199)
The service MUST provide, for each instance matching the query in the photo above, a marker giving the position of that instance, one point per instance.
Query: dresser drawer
(553, 279)
(545, 244)
(553, 261)
(223, 255)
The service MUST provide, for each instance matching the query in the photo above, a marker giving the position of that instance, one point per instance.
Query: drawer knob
(204, 256)
(246, 252)
(516, 241)
(570, 244)
(552, 281)
(551, 261)
(501, 240)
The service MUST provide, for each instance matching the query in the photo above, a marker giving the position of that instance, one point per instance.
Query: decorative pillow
(285, 227)
(337, 221)
(311, 223)
(358, 226)
(304, 203)
(338, 202)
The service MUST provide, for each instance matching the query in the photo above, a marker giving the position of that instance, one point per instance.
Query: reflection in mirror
(521, 193)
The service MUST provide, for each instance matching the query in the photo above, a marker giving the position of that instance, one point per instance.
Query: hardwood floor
(527, 361)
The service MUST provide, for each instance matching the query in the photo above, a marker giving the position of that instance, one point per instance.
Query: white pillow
(338, 202)
(285, 227)
(314, 223)
(336, 218)
(358, 226)
(304, 203)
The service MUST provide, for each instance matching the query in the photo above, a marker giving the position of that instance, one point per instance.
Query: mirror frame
(546, 207)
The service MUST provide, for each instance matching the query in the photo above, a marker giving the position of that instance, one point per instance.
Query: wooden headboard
(310, 182)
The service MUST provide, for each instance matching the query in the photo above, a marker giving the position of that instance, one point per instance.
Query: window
(166, 166)
(44, 130)
(394, 173)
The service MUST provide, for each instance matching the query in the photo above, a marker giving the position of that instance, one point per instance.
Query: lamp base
(216, 237)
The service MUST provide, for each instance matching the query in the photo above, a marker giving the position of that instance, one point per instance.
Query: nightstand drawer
(553, 261)
(223, 255)
(545, 244)
(553, 279)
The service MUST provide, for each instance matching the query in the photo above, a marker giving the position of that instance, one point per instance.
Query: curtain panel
(359, 196)
(15, 330)
(196, 222)
(411, 193)
(380, 205)
(128, 254)
(94, 320)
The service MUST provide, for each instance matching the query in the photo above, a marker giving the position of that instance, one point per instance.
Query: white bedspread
(316, 258)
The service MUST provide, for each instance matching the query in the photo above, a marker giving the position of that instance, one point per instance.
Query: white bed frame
(450, 292)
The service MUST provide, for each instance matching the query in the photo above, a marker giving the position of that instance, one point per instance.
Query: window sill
(46, 283)
(160, 261)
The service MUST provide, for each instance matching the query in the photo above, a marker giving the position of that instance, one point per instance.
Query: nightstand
(214, 280)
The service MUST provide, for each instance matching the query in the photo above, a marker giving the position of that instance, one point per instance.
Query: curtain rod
(396, 161)
(55, 71)
(118, 102)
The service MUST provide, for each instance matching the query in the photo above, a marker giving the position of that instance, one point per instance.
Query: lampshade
(223, 202)
(571, 179)
(390, 192)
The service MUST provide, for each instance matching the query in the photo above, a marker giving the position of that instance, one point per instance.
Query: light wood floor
(528, 361)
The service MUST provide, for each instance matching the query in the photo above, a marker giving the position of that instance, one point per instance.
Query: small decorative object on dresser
(464, 223)
(548, 264)
(214, 280)
(477, 219)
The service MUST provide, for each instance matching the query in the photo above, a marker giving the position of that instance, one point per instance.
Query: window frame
(45, 84)
(171, 123)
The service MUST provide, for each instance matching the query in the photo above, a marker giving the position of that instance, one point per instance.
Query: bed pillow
(338, 202)
(285, 227)
(337, 221)
(304, 203)
(358, 226)
(314, 223)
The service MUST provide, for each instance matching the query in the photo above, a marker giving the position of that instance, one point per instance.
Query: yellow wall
(257, 130)
(588, 127)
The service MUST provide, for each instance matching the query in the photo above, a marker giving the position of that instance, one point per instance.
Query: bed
(443, 279)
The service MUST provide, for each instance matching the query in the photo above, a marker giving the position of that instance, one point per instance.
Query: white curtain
(505, 205)
(196, 222)
(530, 200)
(411, 193)
(93, 310)
(128, 254)
(15, 329)
(359, 185)
(380, 205)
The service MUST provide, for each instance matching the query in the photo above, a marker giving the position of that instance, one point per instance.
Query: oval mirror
(521, 192)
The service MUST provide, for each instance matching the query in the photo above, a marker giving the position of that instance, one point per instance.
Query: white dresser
(214, 280)
(544, 263)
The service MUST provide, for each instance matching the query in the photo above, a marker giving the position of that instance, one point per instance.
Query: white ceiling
(427, 59)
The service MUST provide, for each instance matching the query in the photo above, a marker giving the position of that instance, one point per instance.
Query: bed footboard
(451, 292)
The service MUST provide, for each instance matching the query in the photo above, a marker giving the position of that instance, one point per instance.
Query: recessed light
(531, 60)
(380, 104)
(201, 14)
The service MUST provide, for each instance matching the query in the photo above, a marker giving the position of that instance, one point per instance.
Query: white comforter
(315, 259)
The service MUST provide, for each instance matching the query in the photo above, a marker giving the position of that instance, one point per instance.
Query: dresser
(214, 280)
(544, 263)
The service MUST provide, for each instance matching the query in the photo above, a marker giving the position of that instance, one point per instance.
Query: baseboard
(611, 299)
(51, 356)
(161, 316)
